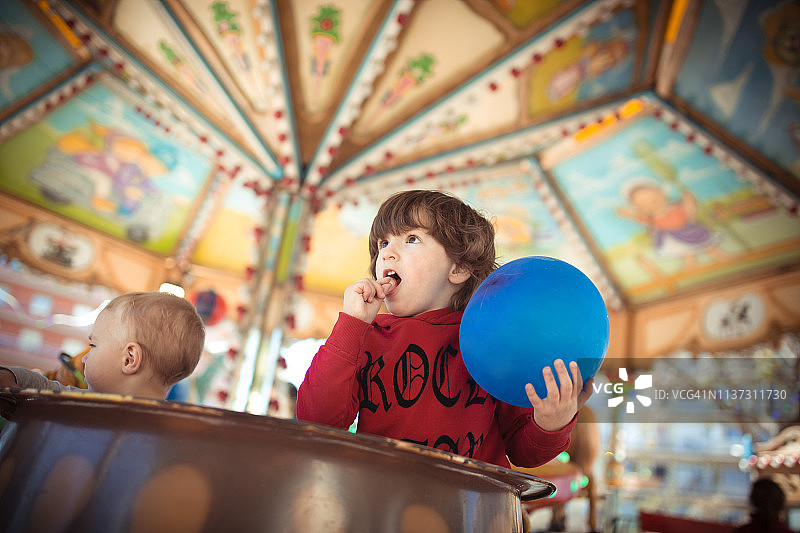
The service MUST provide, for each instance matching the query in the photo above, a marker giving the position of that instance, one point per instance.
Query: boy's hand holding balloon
(562, 402)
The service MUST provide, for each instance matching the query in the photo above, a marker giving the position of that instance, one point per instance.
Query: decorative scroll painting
(743, 72)
(99, 162)
(667, 216)
(31, 54)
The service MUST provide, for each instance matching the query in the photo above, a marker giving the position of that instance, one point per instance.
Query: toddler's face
(104, 361)
(420, 266)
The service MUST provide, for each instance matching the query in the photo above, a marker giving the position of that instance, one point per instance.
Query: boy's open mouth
(392, 274)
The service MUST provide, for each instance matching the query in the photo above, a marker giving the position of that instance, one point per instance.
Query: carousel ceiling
(654, 144)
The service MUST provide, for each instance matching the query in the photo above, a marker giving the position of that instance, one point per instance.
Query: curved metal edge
(529, 487)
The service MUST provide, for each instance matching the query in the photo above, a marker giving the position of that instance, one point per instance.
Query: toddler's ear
(459, 274)
(132, 360)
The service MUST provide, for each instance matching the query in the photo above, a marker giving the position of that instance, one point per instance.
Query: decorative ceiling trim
(172, 116)
(727, 157)
(269, 38)
(369, 159)
(33, 113)
(526, 142)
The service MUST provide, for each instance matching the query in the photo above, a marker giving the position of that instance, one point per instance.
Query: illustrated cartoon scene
(100, 162)
(668, 215)
(751, 90)
(534, 265)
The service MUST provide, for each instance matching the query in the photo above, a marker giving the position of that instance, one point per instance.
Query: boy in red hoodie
(402, 373)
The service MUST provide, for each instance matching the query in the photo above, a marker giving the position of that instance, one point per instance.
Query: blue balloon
(524, 316)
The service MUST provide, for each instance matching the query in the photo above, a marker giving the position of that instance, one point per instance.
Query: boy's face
(425, 274)
(105, 360)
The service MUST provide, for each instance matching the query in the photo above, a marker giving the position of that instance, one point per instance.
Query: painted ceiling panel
(231, 226)
(424, 64)
(522, 14)
(233, 28)
(241, 44)
(667, 215)
(542, 114)
(152, 30)
(32, 52)
(587, 57)
(327, 39)
(147, 28)
(97, 160)
(742, 72)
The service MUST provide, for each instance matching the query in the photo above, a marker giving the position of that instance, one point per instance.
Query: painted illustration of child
(123, 167)
(673, 224)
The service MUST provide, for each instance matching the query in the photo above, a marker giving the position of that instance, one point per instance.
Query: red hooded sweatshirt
(405, 379)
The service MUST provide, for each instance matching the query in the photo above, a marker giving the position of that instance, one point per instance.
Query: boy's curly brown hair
(466, 235)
